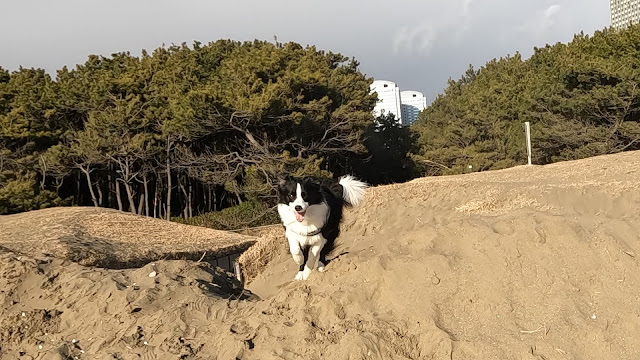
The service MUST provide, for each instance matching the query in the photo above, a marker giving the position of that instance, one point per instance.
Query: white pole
(238, 271)
(528, 131)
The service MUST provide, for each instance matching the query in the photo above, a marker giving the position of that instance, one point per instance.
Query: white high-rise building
(388, 99)
(624, 12)
(412, 102)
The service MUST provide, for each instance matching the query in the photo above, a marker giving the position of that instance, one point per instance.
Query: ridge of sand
(113, 239)
(527, 263)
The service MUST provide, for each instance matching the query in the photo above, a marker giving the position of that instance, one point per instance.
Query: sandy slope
(113, 239)
(525, 263)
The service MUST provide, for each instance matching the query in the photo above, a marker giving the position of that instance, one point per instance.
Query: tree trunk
(155, 202)
(77, 195)
(206, 194)
(58, 184)
(141, 204)
(146, 194)
(132, 203)
(204, 199)
(212, 199)
(100, 197)
(168, 211)
(110, 189)
(87, 174)
(189, 199)
(118, 196)
(43, 164)
(185, 211)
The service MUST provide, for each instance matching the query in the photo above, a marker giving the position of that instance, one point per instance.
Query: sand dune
(525, 263)
(113, 239)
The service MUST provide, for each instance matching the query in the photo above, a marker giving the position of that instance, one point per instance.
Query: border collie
(311, 213)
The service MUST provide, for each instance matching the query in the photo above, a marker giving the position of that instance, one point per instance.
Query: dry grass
(493, 206)
(113, 239)
(256, 258)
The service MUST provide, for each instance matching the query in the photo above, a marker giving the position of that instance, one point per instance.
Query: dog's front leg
(295, 250)
(312, 261)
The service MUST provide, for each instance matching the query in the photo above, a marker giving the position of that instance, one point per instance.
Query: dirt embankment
(525, 263)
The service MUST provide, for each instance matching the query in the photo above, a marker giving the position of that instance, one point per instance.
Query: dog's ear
(336, 189)
(282, 179)
(310, 179)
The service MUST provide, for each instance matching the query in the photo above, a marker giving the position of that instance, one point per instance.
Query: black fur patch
(315, 191)
(311, 190)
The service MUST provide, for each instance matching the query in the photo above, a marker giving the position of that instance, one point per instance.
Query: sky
(418, 44)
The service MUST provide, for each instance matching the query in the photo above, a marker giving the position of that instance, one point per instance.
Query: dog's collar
(312, 233)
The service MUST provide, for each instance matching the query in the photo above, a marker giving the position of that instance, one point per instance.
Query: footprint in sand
(399, 249)
(502, 228)
(385, 261)
(542, 235)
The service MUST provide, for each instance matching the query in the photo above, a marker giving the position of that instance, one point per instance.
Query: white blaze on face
(299, 206)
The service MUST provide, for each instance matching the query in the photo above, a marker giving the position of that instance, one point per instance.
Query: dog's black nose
(298, 208)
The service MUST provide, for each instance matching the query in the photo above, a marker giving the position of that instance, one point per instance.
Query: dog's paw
(298, 258)
(320, 266)
(303, 275)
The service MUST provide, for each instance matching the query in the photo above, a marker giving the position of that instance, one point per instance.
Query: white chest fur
(315, 218)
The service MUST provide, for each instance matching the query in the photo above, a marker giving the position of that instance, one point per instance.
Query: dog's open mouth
(300, 215)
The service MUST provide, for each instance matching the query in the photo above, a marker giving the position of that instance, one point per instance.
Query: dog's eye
(304, 194)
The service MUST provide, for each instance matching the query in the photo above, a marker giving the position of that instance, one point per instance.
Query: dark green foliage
(182, 130)
(389, 146)
(29, 124)
(21, 194)
(185, 130)
(582, 99)
(250, 213)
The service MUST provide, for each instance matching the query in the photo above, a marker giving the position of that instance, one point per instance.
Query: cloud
(414, 39)
(455, 23)
(541, 23)
(452, 17)
(552, 10)
(466, 7)
(418, 44)
(549, 15)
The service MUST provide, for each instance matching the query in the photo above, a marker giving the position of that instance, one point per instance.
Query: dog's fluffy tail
(352, 189)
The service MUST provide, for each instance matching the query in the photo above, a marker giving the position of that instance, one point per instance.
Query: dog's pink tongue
(299, 216)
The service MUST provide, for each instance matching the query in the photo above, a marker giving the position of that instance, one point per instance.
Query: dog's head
(299, 194)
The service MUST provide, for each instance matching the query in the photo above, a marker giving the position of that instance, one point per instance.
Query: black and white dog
(311, 213)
